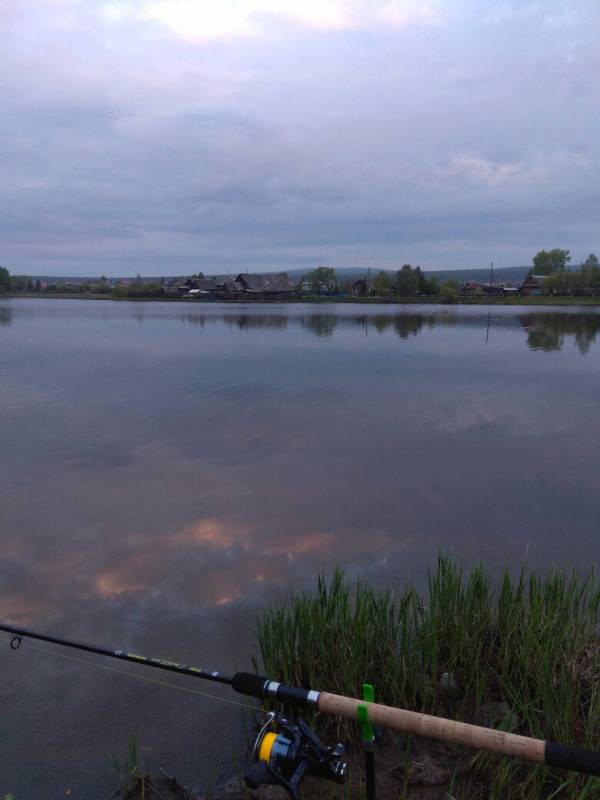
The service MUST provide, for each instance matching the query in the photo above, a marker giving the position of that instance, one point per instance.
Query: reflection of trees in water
(199, 320)
(547, 331)
(244, 321)
(404, 325)
(5, 316)
(320, 324)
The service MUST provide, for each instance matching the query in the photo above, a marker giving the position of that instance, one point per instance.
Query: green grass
(529, 642)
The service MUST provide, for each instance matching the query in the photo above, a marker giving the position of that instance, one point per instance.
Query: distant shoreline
(396, 301)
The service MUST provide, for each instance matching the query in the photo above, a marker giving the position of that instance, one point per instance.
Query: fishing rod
(287, 751)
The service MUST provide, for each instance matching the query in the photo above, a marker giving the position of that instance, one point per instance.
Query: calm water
(167, 468)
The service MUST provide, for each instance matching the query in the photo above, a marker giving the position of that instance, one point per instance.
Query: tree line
(560, 278)
(408, 281)
(24, 284)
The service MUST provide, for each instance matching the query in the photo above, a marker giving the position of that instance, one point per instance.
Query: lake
(169, 468)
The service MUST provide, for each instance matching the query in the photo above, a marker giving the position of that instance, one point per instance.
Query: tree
(382, 283)
(4, 280)
(322, 279)
(546, 262)
(429, 286)
(591, 261)
(103, 286)
(407, 280)
(120, 290)
(450, 292)
(18, 283)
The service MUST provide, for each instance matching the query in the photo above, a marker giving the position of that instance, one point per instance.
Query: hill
(510, 275)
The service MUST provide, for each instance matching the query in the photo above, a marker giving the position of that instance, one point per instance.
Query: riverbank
(466, 301)
(520, 654)
(523, 655)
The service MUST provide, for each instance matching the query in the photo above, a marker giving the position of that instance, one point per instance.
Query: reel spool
(285, 752)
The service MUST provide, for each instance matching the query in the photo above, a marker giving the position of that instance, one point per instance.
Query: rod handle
(566, 756)
(265, 688)
(463, 733)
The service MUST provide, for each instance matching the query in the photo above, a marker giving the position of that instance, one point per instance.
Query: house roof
(230, 284)
(207, 284)
(277, 282)
(536, 280)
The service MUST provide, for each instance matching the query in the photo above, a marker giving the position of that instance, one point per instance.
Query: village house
(360, 288)
(195, 287)
(472, 289)
(476, 289)
(533, 285)
(229, 289)
(266, 287)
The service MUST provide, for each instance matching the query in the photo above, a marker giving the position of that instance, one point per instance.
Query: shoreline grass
(527, 643)
(396, 301)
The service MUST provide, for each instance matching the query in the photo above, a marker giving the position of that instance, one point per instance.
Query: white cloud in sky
(196, 19)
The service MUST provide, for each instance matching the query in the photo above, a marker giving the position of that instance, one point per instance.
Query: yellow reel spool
(264, 754)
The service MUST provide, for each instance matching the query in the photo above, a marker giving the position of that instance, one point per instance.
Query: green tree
(546, 262)
(120, 290)
(4, 280)
(450, 292)
(18, 283)
(407, 281)
(103, 285)
(382, 284)
(322, 279)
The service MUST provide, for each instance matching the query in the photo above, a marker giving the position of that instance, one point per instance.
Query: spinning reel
(285, 752)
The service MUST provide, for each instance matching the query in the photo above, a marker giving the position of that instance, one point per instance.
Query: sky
(164, 137)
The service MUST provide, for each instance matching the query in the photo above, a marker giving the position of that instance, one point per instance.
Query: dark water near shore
(165, 469)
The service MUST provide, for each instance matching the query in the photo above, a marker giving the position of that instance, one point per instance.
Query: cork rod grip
(509, 744)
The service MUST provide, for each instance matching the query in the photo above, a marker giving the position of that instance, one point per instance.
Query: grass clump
(526, 644)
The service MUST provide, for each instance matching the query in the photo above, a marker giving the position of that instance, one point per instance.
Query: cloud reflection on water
(167, 469)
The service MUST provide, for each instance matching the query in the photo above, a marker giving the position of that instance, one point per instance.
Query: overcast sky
(170, 136)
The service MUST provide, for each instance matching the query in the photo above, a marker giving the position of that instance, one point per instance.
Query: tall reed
(530, 643)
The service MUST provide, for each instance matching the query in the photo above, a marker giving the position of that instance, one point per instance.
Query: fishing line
(245, 706)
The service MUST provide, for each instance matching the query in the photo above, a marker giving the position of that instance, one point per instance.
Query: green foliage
(565, 281)
(137, 290)
(4, 279)
(546, 262)
(19, 283)
(450, 292)
(322, 279)
(530, 643)
(129, 771)
(407, 281)
(382, 283)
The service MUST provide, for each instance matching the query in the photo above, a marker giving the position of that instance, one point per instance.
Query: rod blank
(134, 658)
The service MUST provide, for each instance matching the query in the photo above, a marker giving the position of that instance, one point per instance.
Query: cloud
(168, 137)
(238, 18)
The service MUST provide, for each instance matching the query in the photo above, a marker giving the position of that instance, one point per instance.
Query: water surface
(166, 469)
